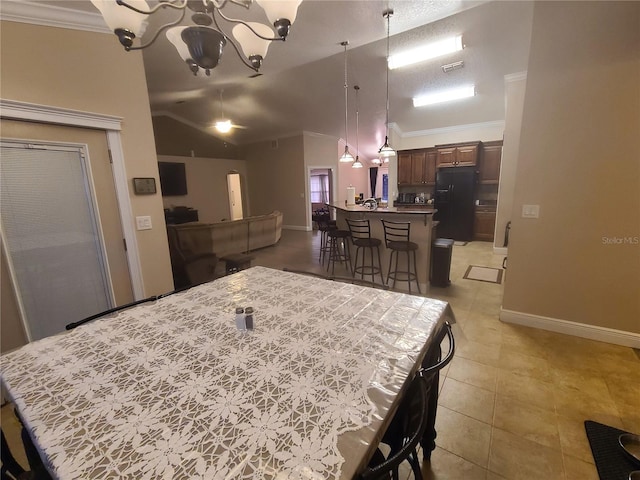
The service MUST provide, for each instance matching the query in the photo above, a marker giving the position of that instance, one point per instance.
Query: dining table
(172, 389)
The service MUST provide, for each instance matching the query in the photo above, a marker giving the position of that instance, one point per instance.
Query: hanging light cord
(356, 88)
(388, 12)
(346, 96)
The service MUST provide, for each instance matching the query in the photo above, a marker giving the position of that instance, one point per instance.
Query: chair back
(411, 419)
(396, 231)
(360, 229)
(433, 361)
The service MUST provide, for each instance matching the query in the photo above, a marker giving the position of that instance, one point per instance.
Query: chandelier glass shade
(201, 45)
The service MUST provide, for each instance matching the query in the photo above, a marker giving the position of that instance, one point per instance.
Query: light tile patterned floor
(514, 399)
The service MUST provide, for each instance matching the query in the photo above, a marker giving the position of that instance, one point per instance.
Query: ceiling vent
(450, 67)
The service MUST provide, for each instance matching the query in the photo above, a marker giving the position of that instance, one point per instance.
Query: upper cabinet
(417, 167)
(457, 155)
(490, 159)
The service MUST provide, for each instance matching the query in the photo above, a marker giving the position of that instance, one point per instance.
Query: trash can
(441, 250)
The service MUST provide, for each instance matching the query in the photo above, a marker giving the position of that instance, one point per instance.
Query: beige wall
(461, 133)
(207, 186)
(580, 161)
(90, 72)
(514, 93)
(276, 179)
(319, 151)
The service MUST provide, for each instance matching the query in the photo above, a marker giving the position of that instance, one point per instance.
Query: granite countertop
(387, 209)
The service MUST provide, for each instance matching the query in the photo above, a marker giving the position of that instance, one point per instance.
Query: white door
(52, 236)
(94, 185)
(235, 196)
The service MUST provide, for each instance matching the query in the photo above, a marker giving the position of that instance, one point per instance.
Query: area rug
(483, 274)
(611, 461)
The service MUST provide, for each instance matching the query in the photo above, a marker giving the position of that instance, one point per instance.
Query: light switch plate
(143, 223)
(530, 211)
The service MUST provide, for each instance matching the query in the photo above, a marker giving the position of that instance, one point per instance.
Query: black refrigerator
(454, 200)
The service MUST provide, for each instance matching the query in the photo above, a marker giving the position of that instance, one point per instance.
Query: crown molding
(51, 16)
(515, 77)
(454, 128)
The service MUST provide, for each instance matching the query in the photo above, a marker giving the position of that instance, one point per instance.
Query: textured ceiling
(302, 83)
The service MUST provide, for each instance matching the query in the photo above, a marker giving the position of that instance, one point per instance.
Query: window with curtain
(319, 188)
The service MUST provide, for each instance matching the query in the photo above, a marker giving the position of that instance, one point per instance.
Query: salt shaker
(240, 319)
(248, 318)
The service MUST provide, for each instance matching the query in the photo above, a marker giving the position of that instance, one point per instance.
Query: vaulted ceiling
(302, 83)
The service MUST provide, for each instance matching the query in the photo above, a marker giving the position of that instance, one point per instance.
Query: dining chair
(410, 420)
(430, 369)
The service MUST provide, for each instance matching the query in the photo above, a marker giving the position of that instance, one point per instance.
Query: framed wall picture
(144, 186)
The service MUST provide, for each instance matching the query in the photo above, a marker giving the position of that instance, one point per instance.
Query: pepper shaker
(248, 318)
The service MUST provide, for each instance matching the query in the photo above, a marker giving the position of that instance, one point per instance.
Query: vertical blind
(52, 236)
(319, 188)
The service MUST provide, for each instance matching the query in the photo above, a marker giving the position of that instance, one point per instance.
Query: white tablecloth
(171, 389)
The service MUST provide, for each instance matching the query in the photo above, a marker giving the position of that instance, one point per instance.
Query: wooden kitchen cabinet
(417, 167)
(457, 155)
(490, 159)
(484, 223)
(404, 168)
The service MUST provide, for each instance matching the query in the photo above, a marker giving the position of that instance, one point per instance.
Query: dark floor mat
(611, 461)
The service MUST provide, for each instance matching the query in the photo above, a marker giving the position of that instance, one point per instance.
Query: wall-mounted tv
(173, 179)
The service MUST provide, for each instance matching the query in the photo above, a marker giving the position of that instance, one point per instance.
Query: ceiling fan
(224, 124)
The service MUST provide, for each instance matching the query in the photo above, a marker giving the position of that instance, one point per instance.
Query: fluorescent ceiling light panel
(445, 96)
(425, 52)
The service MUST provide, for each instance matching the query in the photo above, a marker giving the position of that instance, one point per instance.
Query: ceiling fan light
(280, 9)
(123, 18)
(346, 156)
(223, 126)
(250, 43)
(205, 45)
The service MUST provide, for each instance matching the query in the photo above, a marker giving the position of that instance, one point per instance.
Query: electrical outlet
(144, 222)
(530, 211)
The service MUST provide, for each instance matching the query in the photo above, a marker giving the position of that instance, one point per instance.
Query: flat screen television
(173, 179)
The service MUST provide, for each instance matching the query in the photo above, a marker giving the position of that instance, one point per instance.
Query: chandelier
(201, 45)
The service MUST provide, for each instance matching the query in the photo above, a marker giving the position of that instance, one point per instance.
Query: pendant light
(357, 163)
(385, 150)
(346, 156)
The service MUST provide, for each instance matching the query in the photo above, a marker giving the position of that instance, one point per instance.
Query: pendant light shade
(386, 151)
(346, 156)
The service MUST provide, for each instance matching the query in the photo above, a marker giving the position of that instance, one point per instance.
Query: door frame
(17, 110)
(307, 190)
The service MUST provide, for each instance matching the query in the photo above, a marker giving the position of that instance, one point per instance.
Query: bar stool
(396, 238)
(325, 225)
(335, 237)
(361, 239)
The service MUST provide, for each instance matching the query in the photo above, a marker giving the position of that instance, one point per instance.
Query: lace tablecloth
(172, 390)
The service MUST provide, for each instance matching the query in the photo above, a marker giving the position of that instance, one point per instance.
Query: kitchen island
(421, 218)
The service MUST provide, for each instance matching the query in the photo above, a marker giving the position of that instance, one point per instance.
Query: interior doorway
(69, 219)
(321, 184)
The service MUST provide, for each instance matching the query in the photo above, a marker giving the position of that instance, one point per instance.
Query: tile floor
(513, 400)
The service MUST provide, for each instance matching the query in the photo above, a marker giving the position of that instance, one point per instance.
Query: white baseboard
(592, 332)
(301, 228)
(500, 250)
